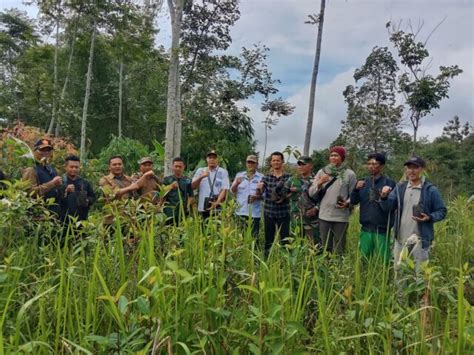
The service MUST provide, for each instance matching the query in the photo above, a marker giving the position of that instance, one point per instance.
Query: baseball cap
(43, 143)
(211, 152)
(304, 159)
(415, 161)
(252, 158)
(145, 160)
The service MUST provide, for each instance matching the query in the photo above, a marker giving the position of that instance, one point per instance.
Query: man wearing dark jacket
(76, 194)
(418, 206)
(375, 222)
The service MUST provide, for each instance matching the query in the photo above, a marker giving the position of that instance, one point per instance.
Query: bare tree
(314, 19)
(173, 114)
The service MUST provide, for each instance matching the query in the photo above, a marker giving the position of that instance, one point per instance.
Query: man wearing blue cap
(418, 205)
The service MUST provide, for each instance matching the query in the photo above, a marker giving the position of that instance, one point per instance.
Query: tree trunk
(173, 114)
(265, 146)
(314, 78)
(55, 84)
(120, 100)
(86, 96)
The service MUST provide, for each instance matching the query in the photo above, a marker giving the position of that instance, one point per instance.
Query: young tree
(319, 20)
(423, 91)
(275, 109)
(455, 131)
(373, 118)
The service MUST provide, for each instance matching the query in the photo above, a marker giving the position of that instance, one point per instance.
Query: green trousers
(373, 244)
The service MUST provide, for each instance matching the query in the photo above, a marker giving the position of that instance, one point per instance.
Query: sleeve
(189, 188)
(437, 207)
(390, 203)
(29, 175)
(352, 181)
(197, 174)
(355, 197)
(313, 189)
(225, 180)
(90, 194)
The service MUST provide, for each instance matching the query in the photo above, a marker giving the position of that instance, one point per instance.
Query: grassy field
(188, 290)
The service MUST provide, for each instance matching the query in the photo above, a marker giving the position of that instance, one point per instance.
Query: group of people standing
(315, 207)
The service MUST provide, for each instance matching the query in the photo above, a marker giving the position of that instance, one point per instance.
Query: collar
(419, 186)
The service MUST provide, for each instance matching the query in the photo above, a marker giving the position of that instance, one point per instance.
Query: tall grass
(146, 288)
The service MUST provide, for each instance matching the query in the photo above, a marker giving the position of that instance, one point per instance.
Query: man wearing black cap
(213, 183)
(376, 223)
(418, 206)
(304, 212)
(44, 181)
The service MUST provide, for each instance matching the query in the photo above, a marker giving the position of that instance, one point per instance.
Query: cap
(304, 159)
(43, 143)
(415, 161)
(211, 152)
(377, 157)
(252, 158)
(145, 160)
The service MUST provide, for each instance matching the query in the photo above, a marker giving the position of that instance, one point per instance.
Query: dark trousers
(333, 235)
(274, 226)
(254, 224)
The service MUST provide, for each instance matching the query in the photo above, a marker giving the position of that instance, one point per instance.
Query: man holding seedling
(118, 186)
(418, 205)
(304, 211)
(150, 185)
(245, 189)
(276, 213)
(44, 181)
(332, 186)
(375, 222)
(179, 197)
(213, 183)
(76, 194)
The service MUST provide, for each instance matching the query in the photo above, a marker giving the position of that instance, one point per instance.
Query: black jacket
(69, 201)
(373, 217)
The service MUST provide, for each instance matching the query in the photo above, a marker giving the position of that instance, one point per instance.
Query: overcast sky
(351, 29)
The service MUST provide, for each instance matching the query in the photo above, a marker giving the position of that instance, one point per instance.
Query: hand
(252, 198)
(385, 191)
(342, 204)
(205, 173)
(360, 184)
(174, 185)
(70, 188)
(423, 218)
(214, 205)
(57, 181)
(312, 212)
(239, 180)
(293, 189)
(149, 174)
(322, 180)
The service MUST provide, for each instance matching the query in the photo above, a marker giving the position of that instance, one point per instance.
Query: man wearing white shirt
(213, 183)
(245, 187)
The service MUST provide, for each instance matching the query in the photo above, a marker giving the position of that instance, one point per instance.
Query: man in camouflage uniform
(44, 181)
(304, 212)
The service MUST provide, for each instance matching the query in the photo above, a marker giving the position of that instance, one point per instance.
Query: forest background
(231, 98)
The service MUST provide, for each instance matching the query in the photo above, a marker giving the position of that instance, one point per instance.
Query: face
(251, 166)
(116, 166)
(304, 169)
(276, 162)
(413, 172)
(44, 153)
(146, 166)
(335, 159)
(211, 161)
(72, 168)
(178, 168)
(374, 167)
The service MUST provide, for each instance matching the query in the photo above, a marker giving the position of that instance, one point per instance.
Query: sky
(351, 29)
